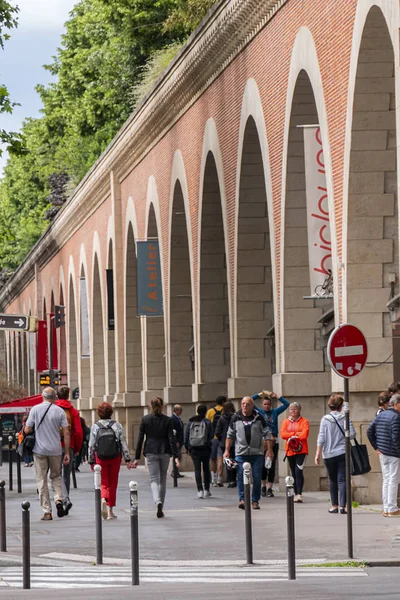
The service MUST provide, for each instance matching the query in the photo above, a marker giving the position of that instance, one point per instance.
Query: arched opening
(99, 382)
(85, 380)
(373, 244)
(72, 370)
(63, 345)
(111, 326)
(133, 334)
(255, 309)
(155, 336)
(214, 308)
(306, 335)
(180, 303)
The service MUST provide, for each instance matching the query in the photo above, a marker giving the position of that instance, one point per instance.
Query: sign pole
(348, 469)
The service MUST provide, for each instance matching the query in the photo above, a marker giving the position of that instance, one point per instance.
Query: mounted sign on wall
(149, 284)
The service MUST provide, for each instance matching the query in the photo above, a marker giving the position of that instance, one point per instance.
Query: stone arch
(72, 322)
(97, 333)
(85, 389)
(63, 338)
(372, 253)
(110, 329)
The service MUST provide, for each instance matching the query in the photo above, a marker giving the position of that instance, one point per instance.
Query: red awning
(22, 405)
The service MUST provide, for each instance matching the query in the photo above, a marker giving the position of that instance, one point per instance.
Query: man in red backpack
(76, 437)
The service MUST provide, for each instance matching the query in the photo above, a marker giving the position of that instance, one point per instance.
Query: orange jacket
(301, 428)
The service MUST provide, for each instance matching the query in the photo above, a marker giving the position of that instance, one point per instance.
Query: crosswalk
(89, 577)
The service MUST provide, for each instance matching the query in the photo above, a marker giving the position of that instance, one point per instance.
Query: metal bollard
(3, 530)
(134, 503)
(73, 472)
(26, 547)
(1, 451)
(19, 481)
(289, 481)
(10, 461)
(247, 511)
(175, 472)
(97, 501)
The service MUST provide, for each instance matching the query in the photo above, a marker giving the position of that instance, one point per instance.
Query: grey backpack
(198, 434)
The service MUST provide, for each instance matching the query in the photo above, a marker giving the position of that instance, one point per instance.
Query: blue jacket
(272, 415)
(384, 433)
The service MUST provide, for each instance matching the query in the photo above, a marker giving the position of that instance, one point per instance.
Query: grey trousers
(66, 475)
(158, 468)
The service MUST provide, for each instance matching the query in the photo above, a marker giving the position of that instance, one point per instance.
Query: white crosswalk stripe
(96, 577)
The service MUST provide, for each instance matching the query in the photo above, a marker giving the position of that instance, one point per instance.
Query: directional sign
(347, 351)
(14, 322)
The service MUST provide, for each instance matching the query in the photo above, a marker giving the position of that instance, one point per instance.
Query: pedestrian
(45, 420)
(216, 462)
(295, 430)
(384, 435)
(179, 434)
(76, 439)
(331, 445)
(198, 439)
(383, 402)
(249, 432)
(228, 410)
(394, 388)
(106, 446)
(27, 454)
(271, 416)
(159, 446)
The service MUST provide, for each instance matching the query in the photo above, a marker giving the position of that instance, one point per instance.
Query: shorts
(214, 449)
(220, 452)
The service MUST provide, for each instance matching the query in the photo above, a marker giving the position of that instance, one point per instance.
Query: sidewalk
(193, 530)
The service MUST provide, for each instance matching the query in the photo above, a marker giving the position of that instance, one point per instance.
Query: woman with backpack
(198, 438)
(106, 446)
(295, 430)
(228, 410)
(159, 446)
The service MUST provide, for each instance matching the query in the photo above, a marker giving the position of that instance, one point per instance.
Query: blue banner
(149, 284)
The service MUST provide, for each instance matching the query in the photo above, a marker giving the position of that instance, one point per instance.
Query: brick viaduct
(212, 164)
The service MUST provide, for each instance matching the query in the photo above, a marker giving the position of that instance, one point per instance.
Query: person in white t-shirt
(47, 421)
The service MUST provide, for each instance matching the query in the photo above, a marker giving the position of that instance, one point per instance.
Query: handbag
(30, 438)
(359, 459)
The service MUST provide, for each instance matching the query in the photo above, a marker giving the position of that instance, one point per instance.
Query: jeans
(66, 475)
(297, 463)
(336, 467)
(158, 468)
(256, 462)
(390, 466)
(201, 458)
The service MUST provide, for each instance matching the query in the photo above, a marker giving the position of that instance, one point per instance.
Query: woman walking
(159, 446)
(331, 445)
(228, 410)
(295, 430)
(198, 437)
(106, 445)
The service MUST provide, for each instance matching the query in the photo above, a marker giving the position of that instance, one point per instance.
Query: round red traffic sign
(347, 350)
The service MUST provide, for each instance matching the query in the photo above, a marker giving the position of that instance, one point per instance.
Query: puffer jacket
(384, 433)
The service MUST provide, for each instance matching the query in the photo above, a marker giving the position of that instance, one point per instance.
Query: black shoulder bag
(30, 438)
(359, 458)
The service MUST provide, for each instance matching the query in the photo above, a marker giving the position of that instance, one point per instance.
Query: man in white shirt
(47, 421)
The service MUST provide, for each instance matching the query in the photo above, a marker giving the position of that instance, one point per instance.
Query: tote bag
(359, 458)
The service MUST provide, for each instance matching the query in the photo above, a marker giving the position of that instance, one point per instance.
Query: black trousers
(336, 467)
(296, 464)
(269, 474)
(202, 459)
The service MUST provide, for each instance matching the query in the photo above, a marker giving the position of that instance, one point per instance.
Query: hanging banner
(85, 343)
(149, 284)
(110, 300)
(54, 344)
(42, 350)
(318, 228)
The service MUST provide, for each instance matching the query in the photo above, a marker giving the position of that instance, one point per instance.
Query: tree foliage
(110, 56)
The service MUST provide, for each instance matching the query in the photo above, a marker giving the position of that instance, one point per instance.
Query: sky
(31, 45)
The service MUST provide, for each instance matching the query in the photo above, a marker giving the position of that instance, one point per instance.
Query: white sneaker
(214, 483)
(207, 494)
(299, 498)
(200, 494)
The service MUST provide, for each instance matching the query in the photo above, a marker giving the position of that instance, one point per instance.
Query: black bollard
(19, 481)
(247, 513)
(175, 473)
(97, 501)
(1, 451)
(290, 527)
(10, 465)
(26, 547)
(73, 472)
(3, 530)
(134, 502)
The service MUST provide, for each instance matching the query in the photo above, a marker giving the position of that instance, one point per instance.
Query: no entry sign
(347, 350)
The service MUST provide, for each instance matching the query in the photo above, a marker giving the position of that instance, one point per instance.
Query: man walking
(45, 420)
(179, 433)
(76, 439)
(252, 437)
(384, 435)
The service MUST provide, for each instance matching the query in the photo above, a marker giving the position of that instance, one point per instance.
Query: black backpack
(106, 445)
(216, 418)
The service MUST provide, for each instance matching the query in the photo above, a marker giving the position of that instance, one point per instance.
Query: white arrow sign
(19, 323)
